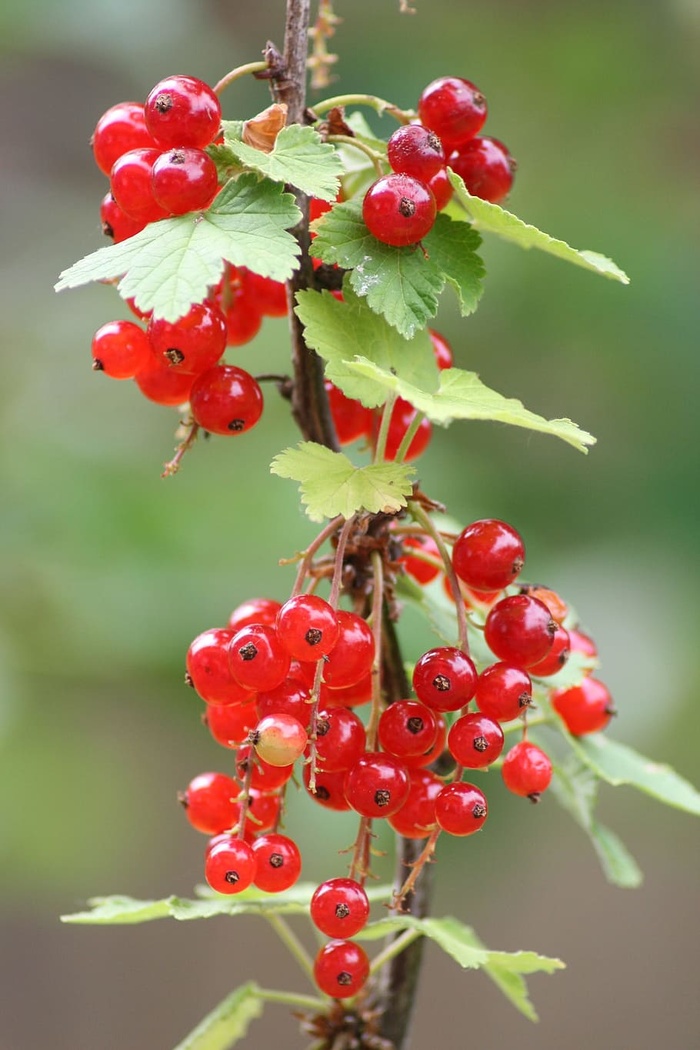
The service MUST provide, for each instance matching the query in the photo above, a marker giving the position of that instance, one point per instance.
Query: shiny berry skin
(377, 785)
(414, 762)
(422, 571)
(340, 739)
(119, 130)
(441, 189)
(402, 416)
(291, 697)
(230, 865)
(352, 656)
(307, 627)
(164, 385)
(230, 724)
(348, 695)
(279, 739)
(445, 678)
(209, 671)
(278, 863)
(210, 802)
(444, 358)
(130, 183)
(268, 295)
(453, 108)
(488, 555)
(255, 610)
(520, 630)
(116, 224)
(191, 344)
(182, 111)
(486, 167)
(256, 658)
(341, 969)
(556, 657)
(475, 741)
(226, 400)
(184, 179)
(339, 908)
(330, 788)
(460, 809)
(416, 818)
(264, 776)
(236, 295)
(350, 418)
(581, 643)
(120, 349)
(527, 770)
(503, 692)
(416, 151)
(399, 210)
(407, 727)
(585, 708)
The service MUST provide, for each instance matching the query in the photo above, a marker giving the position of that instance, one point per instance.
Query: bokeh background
(107, 572)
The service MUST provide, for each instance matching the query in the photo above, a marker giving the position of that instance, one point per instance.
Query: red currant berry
(416, 151)
(279, 739)
(208, 669)
(164, 385)
(441, 189)
(340, 739)
(307, 627)
(453, 108)
(264, 776)
(402, 416)
(120, 349)
(341, 969)
(413, 762)
(475, 741)
(211, 803)
(289, 698)
(256, 658)
(278, 863)
(329, 790)
(503, 692)
(444, 358)
(422, 571)
(230, 865)
(399, 210)
(238, 299)
(377, 785)
(183, 111)
(520, 630)
(115, 222)
(193, 343)
(230, 724)
(269, 296)
(130, 183)
(407, 727)
(555, 658)
(347, 695)
(488, 555)
(350, 418)
(486, 167)
(445, 678)
(527, 770)
(352, 656)
(416, 818)
(184, 179)
(264, 809)
(255, 610)
(584, 708)
(460, 809)
(339, 908)
(119, 130)
(556, 605)
(226, 400)
(581, 643)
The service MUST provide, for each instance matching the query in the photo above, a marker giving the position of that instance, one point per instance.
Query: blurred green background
(107, 572)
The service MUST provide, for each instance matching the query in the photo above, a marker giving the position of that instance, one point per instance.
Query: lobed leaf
(300, 157)
(228, 1022)
(173, 263)
(330, 484)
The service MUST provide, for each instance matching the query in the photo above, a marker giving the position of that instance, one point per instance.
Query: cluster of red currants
(400, 208)
(156, 160)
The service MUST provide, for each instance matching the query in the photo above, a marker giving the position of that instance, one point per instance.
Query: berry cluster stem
(380, 105)
(424, 520)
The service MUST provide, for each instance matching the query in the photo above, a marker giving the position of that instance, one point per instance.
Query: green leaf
(462, 395)
(493, 219)
(330, 484)
(334, 329)
(300, 157)
(451, 247)
(120, 911)
(618, 764)
(172, 263)
(228, 1022)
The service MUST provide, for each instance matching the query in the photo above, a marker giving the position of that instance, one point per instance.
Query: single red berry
(130, 183)
(307, 627)
(407, 727)
(441, 189)
(269, 296)
(278, 863)
(347, 695)
(416, 818)
(163, 384)
(209, 671)
(486, 167)
(255, 610)
(420, 570)
(230, 724)
(279, 739)
(460, 809)
(329, 790)
(584, 708)
(414, 762)
(444, 358)
(120, 349)
(453, 108)
(350, 418)
(527, 770)
(488, 555)
(339, 908)
(340, 739)
(119, 130)
(416, 151)
(230, 865)
(556, 657)
(445, 678)
(581, 643)
(475, 741)
(226, 400)
(182, 111)
(291, 697)
(352, 656)
(264, 776)
(377, 785)
(402, 417)
(256, 658)
(520, 630)
(238, 299)
(184, 179)
(399, 210)
(341, 969)
(191, 344)
(264, 809)
(116, 224)
(503, 692)
(211, 802)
